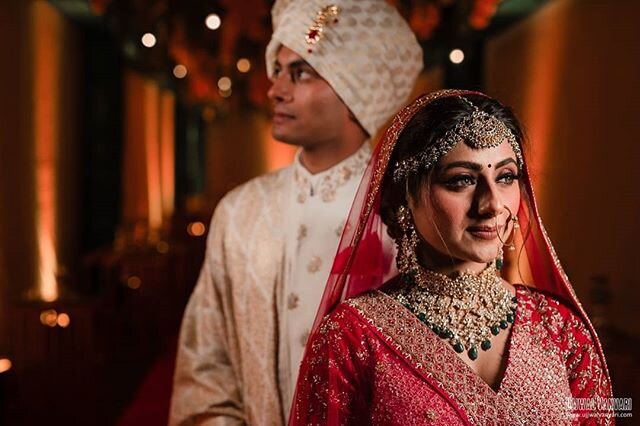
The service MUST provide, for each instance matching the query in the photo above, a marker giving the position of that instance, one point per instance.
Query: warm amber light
(225, 93)
(180, 71)
(456, 56)
(134, 282)
(148, 40)
(224, 83)
(5, 365)
(167, 153)
(64, 320)
(152, 129)
(243, 65)
(46, 133)
(49, 317)
(196, 229)
(213, 21)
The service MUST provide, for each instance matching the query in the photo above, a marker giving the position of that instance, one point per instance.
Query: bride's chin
(482, 253)
(484, 256)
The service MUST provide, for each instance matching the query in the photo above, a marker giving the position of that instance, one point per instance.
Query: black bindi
(489, 166)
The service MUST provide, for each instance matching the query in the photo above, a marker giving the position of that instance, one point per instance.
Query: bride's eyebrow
(505, 162)
(464, 164)
(476, 167)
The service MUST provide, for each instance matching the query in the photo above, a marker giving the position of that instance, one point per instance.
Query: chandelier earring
(509, 242)
(407, 259)
(500, 258)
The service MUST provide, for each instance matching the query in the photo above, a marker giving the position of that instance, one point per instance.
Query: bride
(479, 325)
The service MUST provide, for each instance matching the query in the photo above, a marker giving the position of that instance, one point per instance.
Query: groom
(339, 71)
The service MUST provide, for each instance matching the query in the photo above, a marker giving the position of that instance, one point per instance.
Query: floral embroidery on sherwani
(331, 181)
(319, 207)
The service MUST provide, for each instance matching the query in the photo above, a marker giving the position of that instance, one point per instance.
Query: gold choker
(466, 310)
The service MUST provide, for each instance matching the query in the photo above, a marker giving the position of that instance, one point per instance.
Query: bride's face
(466, 205)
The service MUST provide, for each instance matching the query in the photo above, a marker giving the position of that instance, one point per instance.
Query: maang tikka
(478, 130)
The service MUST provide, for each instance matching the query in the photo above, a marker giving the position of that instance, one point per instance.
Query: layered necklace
(467, 310)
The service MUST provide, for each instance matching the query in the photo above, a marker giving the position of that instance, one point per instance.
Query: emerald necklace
(466, 310)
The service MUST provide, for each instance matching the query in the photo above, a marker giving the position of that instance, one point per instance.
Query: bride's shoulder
(541, 300)
(355, 312)
(554, 313)
(346, 323)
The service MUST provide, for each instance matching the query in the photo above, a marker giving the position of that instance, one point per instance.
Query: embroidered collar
(326, 183)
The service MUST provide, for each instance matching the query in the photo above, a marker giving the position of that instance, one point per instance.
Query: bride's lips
(483, 232)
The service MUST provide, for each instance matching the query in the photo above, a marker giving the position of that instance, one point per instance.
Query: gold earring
(500, 258)
(509, 245)
(407, 258)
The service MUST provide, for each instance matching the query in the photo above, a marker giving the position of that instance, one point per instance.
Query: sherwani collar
(328, 181)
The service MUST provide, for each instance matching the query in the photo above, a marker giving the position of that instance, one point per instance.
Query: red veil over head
(363, 261)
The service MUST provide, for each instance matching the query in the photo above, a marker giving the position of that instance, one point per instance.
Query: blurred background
(123, 122)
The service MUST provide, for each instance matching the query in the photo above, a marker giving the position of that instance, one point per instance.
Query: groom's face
(307, 111)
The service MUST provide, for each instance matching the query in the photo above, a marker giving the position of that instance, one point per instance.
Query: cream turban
(363, 48)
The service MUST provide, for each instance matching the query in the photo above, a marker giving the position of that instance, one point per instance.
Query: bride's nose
(489, 201)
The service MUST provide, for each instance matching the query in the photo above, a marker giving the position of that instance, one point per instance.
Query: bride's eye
(508, 178)
(459, 181)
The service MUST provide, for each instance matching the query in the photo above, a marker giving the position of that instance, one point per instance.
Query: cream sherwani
(270, 247)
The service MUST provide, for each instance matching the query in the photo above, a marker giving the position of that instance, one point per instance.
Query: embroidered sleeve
(331, 388)
(588, 378)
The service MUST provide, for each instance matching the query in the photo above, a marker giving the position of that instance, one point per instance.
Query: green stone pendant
(473, 353)
(460, 318)
(445, 334)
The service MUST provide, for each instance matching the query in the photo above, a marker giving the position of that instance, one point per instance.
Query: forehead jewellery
(478, 130)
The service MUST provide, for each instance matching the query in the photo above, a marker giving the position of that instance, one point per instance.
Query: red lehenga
(369, 360)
